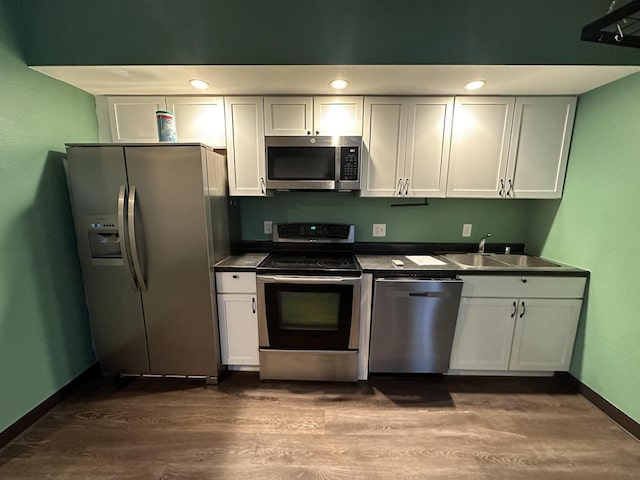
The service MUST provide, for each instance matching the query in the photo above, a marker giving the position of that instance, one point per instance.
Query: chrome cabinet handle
(523, 310)
(501, 191)
(253, 304)
(235, 275)
(135, 257)
(406, 188)
(122, 233)
(263, 186)
(399, 187)
(510, 189)
(515, 309)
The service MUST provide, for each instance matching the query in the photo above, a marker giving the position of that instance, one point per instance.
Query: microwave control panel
(349, 164)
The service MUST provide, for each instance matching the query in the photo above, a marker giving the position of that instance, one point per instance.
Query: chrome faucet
(482, 243)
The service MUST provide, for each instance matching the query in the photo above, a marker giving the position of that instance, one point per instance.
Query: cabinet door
(238, 329)
(539, 149)
(484, 331)
(384, 142)
(288, 116)
(199, 119)
(337, 115)
(133, 119)
(428, 135)
(544, 334)
(245, 145)
(479, 146)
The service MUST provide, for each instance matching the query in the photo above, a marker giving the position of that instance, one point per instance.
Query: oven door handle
(310, 280)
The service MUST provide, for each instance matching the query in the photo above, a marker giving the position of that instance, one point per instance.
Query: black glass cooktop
(310, 263)
(311, 249)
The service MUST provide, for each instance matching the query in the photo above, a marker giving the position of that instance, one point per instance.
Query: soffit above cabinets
(314, 79)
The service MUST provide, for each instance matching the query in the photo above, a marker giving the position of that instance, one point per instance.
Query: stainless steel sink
(475, 260)
(525, 261)
(499, 260)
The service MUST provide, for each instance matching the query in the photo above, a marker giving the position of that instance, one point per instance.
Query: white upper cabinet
(199, 119)
(133, 119)
(383, 146)
(539, 148)
(288, 116)
(301, 116)
(427, 152)
(506, 147)
(245, 146)
(406, 146)
(338, 116)
(480, 146)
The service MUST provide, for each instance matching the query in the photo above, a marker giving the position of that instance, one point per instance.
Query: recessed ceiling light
(199, 84)
(474, 85)
(339, 84)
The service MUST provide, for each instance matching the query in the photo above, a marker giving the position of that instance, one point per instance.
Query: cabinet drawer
(236, 282)
(522, 286)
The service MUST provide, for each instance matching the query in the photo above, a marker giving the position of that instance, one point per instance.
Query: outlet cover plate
(466, 230)
(379, 230)
(268, 227)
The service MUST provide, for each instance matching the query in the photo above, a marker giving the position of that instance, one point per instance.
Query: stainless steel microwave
(313, 163)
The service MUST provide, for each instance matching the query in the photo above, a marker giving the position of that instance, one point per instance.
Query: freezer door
(171, 254)
(97, 186)
(413, 325)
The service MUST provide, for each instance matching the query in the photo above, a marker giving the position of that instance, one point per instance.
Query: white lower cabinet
(484, 332)
(544, 334)
(498, 331)
(238, 319)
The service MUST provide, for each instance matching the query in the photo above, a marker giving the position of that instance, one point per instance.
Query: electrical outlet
(466, 230)
(268, 227)
(379, 230)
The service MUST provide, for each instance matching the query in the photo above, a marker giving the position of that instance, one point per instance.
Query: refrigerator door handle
(135, 256)
(124, 245)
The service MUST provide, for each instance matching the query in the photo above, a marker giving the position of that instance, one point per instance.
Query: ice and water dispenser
(104, 238)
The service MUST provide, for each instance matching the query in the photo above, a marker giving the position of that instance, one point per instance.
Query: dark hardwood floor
(387, 428)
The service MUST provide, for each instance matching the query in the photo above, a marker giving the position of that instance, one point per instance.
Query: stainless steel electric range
(309, 294)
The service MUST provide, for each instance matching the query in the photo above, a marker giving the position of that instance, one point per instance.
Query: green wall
(596, 227)
(290, 32)
(441, 221)
(44, 333)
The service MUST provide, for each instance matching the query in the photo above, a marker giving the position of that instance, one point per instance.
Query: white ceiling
(314, 79)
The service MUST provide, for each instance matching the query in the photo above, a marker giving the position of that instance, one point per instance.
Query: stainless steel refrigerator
(150, 221)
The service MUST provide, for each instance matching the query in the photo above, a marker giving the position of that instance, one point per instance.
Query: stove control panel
(313, 232)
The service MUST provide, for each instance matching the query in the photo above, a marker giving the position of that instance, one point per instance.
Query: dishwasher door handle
(430, 294)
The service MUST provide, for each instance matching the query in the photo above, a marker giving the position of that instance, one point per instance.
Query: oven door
(308, 313)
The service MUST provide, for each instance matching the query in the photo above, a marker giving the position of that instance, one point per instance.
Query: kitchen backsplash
(440, 221)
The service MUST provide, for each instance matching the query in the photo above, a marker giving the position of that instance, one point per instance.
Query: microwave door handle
(122, 234)
(132, 239)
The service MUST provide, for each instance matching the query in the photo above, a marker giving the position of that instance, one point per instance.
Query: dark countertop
(382, 264)
(246, 261)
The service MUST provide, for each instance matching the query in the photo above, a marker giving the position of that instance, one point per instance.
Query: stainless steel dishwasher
(413, 324)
